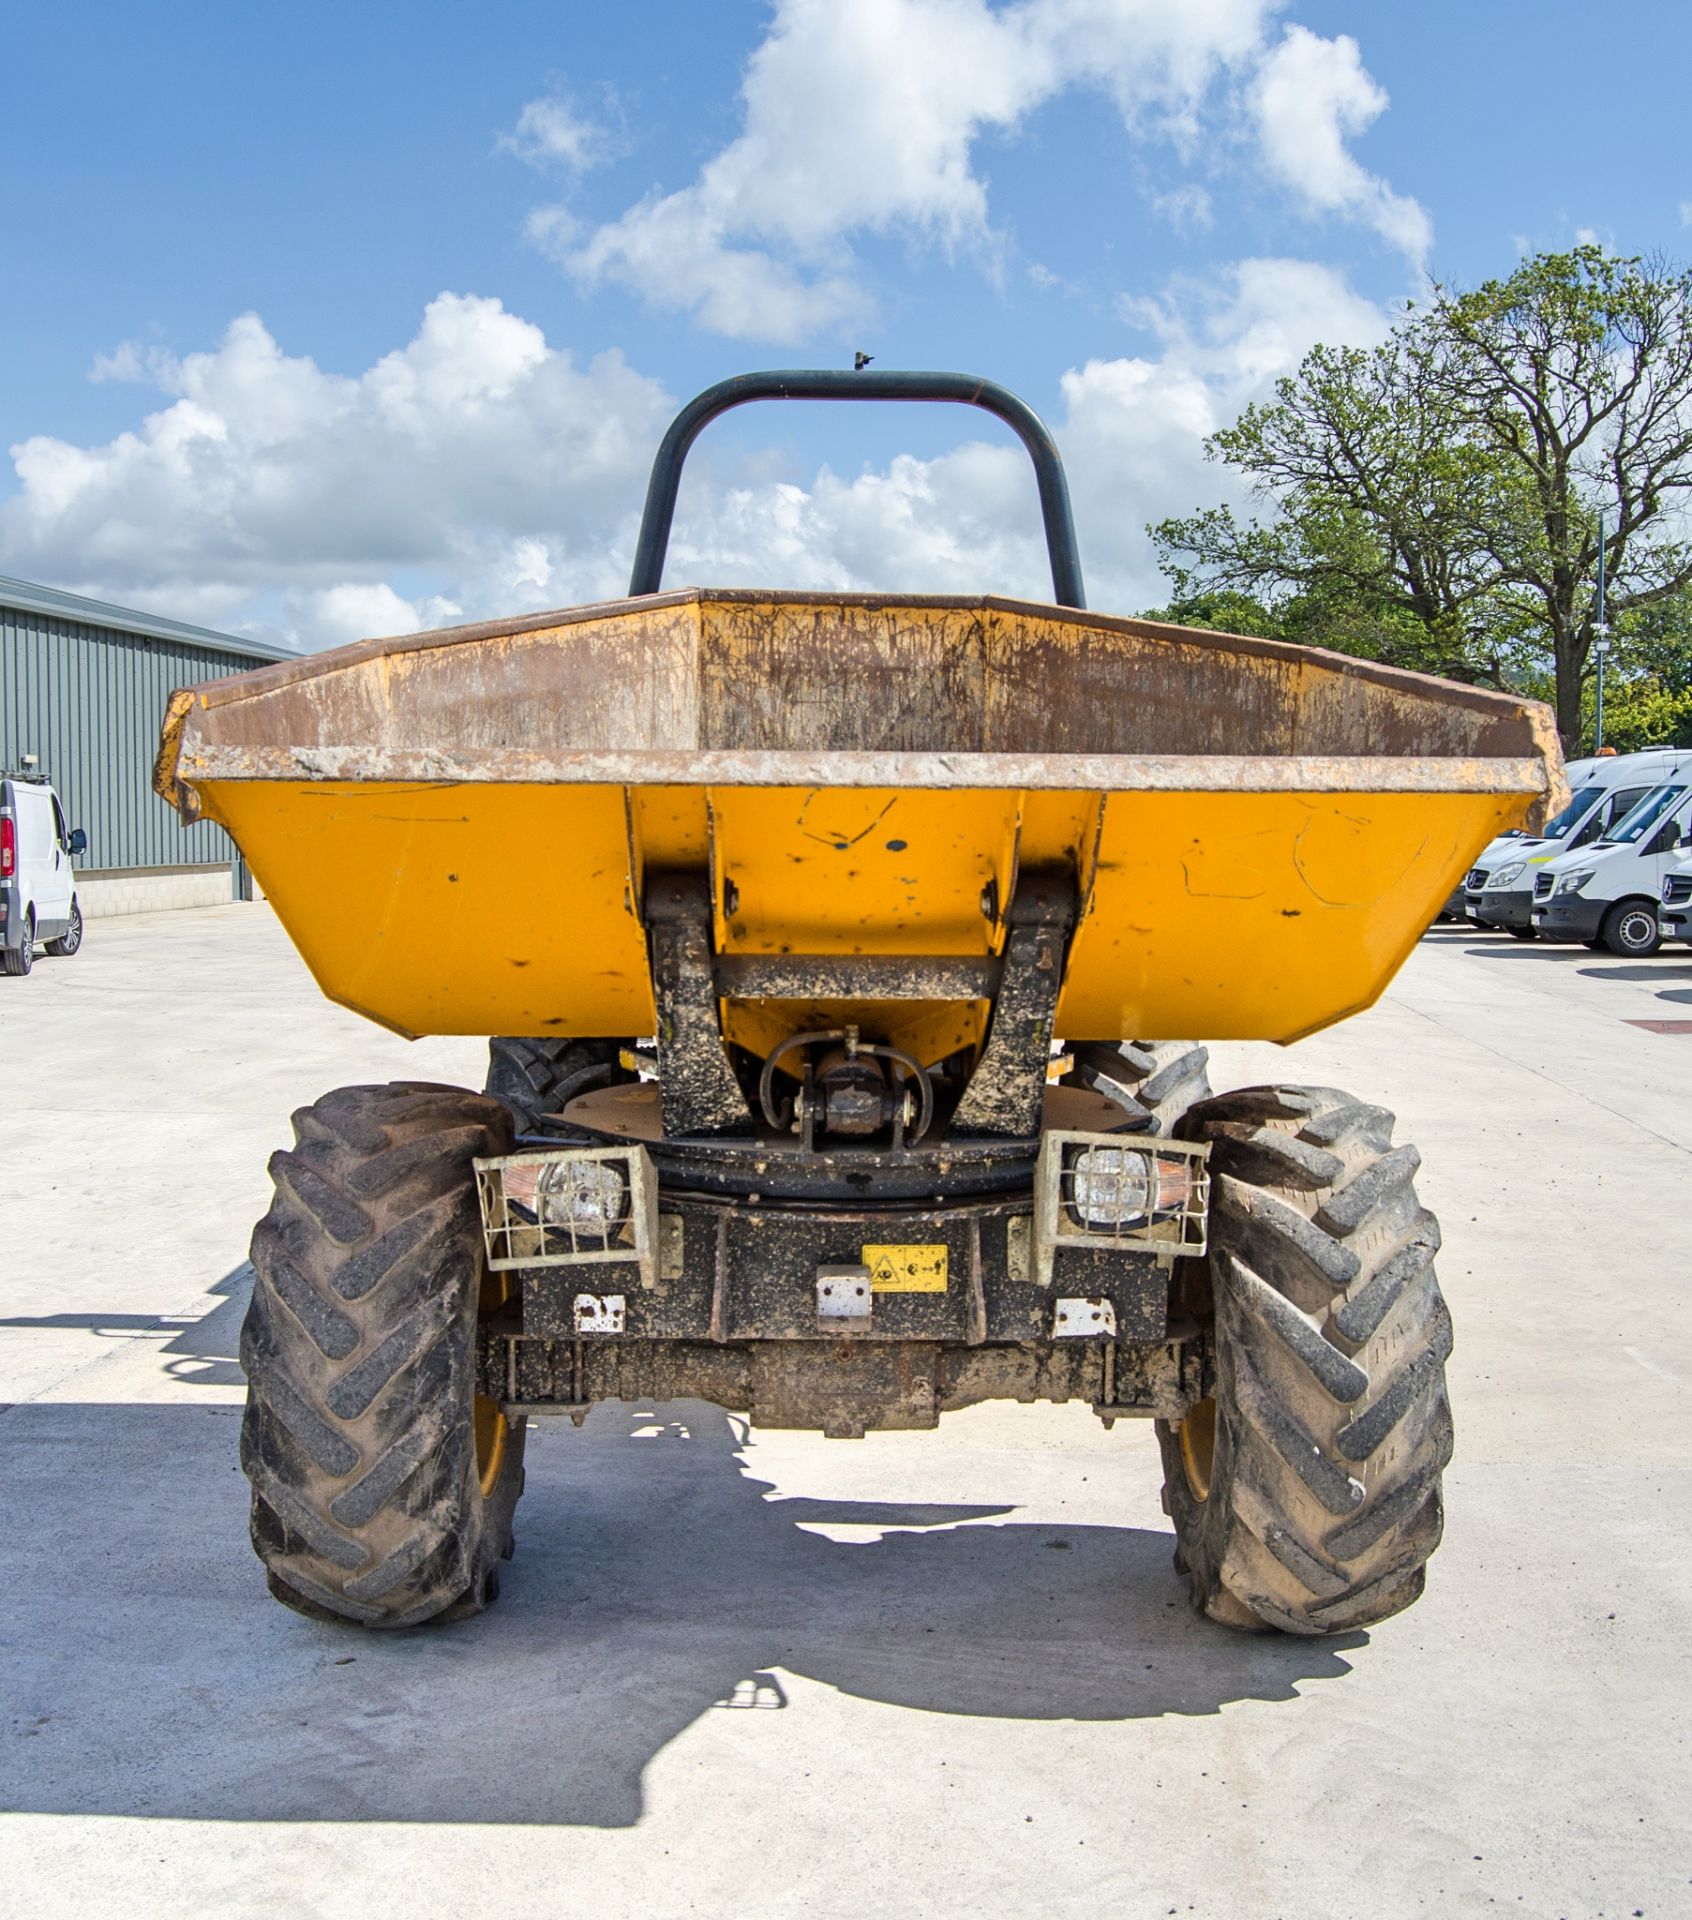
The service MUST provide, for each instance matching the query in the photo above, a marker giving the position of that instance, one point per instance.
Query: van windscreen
(1645, 816)
(1577, 809)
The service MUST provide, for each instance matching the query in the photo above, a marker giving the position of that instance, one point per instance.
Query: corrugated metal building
(83, 687)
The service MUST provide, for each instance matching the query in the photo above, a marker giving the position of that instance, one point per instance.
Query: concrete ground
(772, 1675)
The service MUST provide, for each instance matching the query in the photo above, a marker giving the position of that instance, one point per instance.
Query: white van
(1499, 852)
(37, 886)
(1676, 909)
(1610, 894)
(1498, 889)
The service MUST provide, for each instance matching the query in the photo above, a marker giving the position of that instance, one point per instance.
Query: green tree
(1576, 374)
(1436, 501)
(1373, 541)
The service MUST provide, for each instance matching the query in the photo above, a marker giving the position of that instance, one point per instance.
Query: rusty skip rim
(197, 762)
(284, 673)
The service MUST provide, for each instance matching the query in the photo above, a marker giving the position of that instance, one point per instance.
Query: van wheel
(1631, 928)
(1305, 1490)
(1522, 933)
(68, 941)
(21, 958)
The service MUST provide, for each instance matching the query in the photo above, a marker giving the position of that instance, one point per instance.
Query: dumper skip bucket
(460, 829)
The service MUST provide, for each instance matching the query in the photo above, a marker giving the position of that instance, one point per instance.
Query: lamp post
(1600, 645)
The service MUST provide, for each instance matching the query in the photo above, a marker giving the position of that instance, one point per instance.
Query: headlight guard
(570, 1207)
(1119, 1192)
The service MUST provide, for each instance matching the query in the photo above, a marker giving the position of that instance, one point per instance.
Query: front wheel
(1631, 928)
(1305, 1490)
(1522, 933)
(68, 941)
(383, 1484)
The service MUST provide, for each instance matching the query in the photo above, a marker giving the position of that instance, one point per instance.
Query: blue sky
(324, 321)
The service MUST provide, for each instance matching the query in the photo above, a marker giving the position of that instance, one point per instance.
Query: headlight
(1114, 1187)
(1507, 876)
(585, 1197)
(1573, 882)
(565, 1206)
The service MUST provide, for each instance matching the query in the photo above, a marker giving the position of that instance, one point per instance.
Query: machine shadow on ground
(656, 1582)
(202, 1352)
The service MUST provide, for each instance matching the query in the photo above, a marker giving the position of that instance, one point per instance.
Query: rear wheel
(383, 1484)
(1631, 928)
(1306, 1490)
(1159, 1078)
(537, 1079)
(19, 959)
(68, 941)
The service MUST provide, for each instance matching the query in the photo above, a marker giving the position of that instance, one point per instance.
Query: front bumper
(1676, 922)
(1500, 909)
(1573, 917)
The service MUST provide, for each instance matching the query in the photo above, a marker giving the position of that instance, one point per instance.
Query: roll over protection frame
(822, 383)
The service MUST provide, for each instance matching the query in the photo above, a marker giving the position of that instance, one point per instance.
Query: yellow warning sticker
(906, 1269)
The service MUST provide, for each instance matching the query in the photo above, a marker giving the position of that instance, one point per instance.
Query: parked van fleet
(1609, 894)
(1498, 889)
(37, 886)
(1458, 907)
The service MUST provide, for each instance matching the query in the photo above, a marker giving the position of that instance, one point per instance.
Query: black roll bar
(822, 383)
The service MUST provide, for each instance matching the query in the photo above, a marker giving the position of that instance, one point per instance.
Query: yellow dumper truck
(818, 933)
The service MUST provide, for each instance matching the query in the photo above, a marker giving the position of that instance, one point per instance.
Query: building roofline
(28, 597)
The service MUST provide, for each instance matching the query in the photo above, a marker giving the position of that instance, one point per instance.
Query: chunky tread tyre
(1157, 1078)
(538, 1078)
(360, 1436)
(1316, 1503)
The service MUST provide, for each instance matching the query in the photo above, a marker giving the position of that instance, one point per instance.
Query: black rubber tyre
(1632, 929)
(19, 959)
(1306, 1492)
(68, 941)
(1522, 933)
(537, 1078)
(1159, 1078)
(383, 1484)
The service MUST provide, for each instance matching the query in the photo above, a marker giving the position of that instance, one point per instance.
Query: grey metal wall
(87, 702)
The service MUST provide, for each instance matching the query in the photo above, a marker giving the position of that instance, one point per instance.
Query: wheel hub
(1198, 1448)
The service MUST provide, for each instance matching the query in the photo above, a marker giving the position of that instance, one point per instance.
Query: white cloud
(1310, 97)
(1188, 209)
(1131, 430)
(356, 610)
(475, 456)
(552, 131)
(865, 119)
(478, 470)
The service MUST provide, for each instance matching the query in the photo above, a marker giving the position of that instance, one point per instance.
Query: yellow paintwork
(511, 908)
